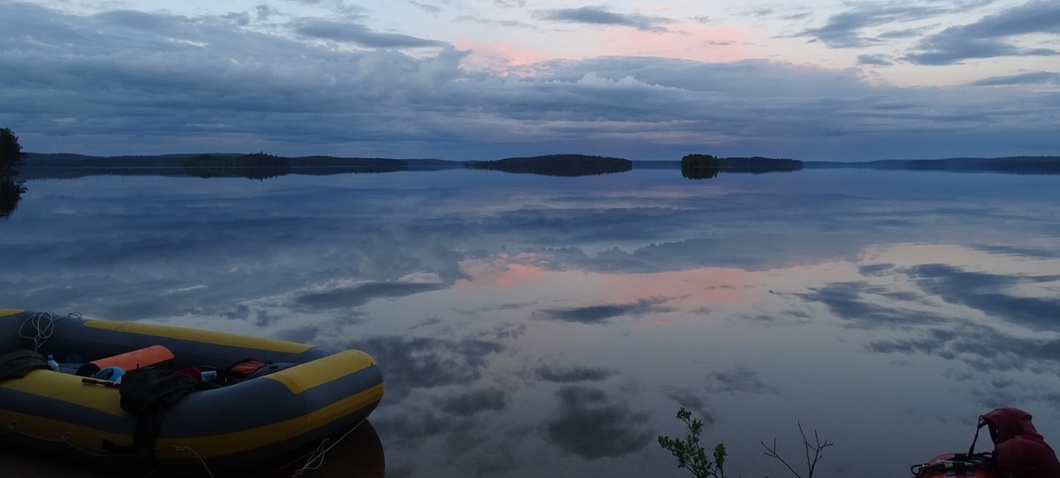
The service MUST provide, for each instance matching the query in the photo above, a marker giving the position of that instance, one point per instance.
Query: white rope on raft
(43, 327)
(314, 461)
(197, 455)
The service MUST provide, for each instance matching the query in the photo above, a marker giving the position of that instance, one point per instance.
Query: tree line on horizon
(262, 166)
(556, 165)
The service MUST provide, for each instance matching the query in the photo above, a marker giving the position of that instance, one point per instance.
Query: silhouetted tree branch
(817, 447)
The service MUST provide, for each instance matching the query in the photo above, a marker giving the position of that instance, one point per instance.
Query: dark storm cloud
(572, 374)
(991, 294)
(991, 36)
(595, 314)
(359, 34)
(603, 16)
(591, 426)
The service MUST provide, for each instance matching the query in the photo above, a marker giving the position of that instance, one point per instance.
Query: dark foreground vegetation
(11, 156)
(692, 456)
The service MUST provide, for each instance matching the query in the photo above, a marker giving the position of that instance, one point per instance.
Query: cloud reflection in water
(531, 326)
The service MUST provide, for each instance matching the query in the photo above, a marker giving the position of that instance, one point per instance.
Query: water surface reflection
(532, 326)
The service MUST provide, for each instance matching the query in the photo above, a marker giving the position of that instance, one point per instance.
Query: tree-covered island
(705, 166)
(700, 166)
(556, 165)
(263, 166)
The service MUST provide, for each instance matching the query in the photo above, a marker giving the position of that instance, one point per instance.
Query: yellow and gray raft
(232, 427)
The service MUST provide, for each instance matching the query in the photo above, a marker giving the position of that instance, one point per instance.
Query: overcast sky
(485, 79)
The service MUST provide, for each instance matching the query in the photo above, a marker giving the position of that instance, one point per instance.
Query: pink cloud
(688, 289)
(502, 57)
(687, 41)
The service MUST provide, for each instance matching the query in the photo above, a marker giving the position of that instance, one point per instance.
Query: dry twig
(811, 461)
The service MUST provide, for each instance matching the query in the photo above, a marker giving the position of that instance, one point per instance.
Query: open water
(544, 326)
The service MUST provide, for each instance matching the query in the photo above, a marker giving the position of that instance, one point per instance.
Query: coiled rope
(43, 326)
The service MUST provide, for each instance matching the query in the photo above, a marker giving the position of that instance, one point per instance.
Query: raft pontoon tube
(230, 427)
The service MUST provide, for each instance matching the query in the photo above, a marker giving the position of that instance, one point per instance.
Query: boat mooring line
(65, 439)
(193, 452)
(316, 457)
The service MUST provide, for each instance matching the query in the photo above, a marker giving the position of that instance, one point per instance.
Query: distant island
(705, 166)
(261, 165)
(1008, 164)
(556, 165)
(252, 166)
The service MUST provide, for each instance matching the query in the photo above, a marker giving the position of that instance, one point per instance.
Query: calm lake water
(541, 326)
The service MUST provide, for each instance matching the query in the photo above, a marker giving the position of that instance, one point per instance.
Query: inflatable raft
(957, 464)
(232, 417)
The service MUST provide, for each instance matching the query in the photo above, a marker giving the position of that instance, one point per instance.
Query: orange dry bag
(144, 357)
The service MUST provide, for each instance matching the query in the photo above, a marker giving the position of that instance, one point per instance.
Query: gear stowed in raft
(132, 395)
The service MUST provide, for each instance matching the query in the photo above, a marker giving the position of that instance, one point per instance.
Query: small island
(556, 165)
(705, 166)
(264, 166)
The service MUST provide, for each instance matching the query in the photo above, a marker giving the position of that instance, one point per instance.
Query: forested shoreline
(261, 165)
